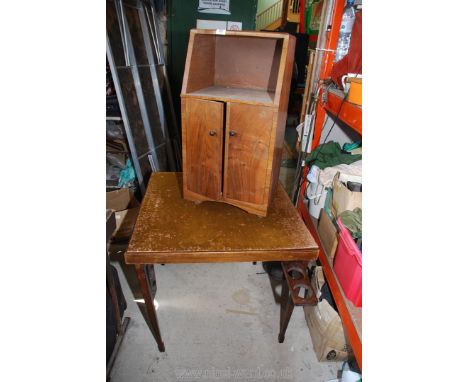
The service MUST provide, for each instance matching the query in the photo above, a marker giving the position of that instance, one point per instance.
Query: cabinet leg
(149, 304)
(287, 307)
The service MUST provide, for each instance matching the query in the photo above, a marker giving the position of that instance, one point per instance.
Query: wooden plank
(242, 62)
(241, 33)
(244, 95)
(200, 63)
(203, 142)
(280, 121)
(219, 257)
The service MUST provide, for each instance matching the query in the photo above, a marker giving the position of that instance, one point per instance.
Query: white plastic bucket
(317, 195)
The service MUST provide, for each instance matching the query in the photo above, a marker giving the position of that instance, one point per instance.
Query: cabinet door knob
(232, 133)
(212, 132)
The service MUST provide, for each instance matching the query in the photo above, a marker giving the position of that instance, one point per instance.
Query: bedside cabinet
(234, 102)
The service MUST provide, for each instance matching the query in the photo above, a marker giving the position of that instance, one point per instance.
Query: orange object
(355, 91)
(349, 113)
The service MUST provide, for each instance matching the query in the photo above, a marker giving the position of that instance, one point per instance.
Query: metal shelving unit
(347, 112)
(320, 102)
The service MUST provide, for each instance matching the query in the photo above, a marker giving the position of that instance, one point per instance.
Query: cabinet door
(203, 138)
(248, 133)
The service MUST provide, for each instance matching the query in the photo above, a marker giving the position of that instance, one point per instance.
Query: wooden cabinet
(234, 107)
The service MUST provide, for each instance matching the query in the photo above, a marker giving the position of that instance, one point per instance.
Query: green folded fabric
(353, 221)
(329, 154)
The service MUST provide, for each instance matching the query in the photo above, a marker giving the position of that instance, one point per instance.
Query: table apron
(219, 257)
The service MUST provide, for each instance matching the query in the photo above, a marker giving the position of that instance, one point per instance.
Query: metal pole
(119, 10)
(156, 87)
(123, 110)
(140, 97)
(162, 62)
(313, 87)
(160, 50)
(151, 26)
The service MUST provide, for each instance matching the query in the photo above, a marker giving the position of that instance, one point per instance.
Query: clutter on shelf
(127, 175)
(330, 154)
(352, 220)
(334, 191)
(325, 162)
(352, 61)
(348, 265)
(324, 322)
(348, 375)
(126, 208)
(119, 167)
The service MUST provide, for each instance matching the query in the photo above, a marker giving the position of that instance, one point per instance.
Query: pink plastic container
(348, 266)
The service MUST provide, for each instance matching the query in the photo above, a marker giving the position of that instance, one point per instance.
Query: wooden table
(170, 229)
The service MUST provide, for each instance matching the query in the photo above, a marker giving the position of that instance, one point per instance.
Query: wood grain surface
(200, 63)
(170, 229)
(277, 144)
(246, 62)
(222, 93)
(203, 146)
(246, 153)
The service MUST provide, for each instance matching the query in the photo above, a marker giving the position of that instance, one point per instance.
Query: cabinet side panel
(200, 63)
(282, 116)
(248, 133)
(203, 147)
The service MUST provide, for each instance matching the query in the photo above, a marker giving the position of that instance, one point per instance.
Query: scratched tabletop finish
(170, 229)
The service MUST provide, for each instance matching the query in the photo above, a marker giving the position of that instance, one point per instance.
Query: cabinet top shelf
(250, 67)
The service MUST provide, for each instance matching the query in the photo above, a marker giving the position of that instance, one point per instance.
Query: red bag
(352, 62)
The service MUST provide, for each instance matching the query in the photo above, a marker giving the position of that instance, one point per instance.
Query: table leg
(113, 293)
(150, 308)
(287, 307)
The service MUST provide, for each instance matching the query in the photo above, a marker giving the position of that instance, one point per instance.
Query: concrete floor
(219, 322)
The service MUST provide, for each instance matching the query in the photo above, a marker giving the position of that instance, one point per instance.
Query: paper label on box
(211, 24)
(234, 26)
(214, 6)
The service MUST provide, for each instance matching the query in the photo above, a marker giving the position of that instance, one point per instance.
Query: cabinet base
(255, 209)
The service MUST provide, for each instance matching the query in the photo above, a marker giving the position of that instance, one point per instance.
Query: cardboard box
(328, 234)
(126, 209)
(325, 327)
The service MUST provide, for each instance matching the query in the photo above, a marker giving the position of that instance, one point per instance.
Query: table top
(170, 229)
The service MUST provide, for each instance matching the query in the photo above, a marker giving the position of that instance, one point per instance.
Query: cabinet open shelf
(223, 93)
(242, 67)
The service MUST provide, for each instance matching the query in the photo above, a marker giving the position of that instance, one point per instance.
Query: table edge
(174, 257)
